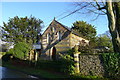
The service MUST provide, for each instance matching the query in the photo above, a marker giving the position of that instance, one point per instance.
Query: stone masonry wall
(91, 65)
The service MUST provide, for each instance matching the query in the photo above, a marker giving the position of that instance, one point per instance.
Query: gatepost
(76, 59)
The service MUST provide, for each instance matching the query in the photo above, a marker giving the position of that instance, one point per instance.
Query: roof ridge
(63, 25)
(58, 23)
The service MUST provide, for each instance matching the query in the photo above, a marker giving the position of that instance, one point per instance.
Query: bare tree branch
(98, 5)
(96, 17)
(74, 12)
(89, 10)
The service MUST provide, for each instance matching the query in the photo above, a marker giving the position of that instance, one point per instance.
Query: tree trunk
(113, 27)
(117, 12)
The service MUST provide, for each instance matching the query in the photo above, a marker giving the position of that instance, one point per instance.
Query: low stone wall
(91, 65)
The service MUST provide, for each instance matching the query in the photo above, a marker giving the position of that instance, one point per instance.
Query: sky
(46, 11)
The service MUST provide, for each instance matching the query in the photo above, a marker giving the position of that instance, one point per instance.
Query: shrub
(67, 64)
(11, 51)
(20, 50)
(112, 64)
(6, 57)
(71, 52)
(64, 65)
(2, 53)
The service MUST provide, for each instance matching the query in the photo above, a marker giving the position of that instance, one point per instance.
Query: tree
(4, 47)
(22, 29)
(109, 8)
(20, 50)
(104, 41)
(86, 30)
(107, 33)
(113, 14)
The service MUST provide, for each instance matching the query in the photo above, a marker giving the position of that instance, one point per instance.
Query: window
(53, 29)
(59, 35)
(48, 37)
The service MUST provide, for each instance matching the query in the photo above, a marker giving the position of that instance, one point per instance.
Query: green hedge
(111, 63)
(63, 65)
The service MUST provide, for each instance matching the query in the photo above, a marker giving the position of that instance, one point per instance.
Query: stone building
(58, 38)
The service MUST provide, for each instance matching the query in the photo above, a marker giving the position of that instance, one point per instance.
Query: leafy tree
(104, 41)
(22, 29)
(111, 8)
(86, 30)
(4, 47)
(107, 33)
(20, 50)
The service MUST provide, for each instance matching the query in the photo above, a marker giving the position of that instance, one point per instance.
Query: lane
(9, 73)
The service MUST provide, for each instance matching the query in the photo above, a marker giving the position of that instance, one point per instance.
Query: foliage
(38, 72)
(104, 41)
(70, 51)
(5, 47)
(20, 50)
(86, 30)
(21, 29)
(67, 64)
(88, 77)
(6, 57)
(109, 8)
(107, 33)
(63, 65)
(2, 53)
(112, 64)
(85, 48)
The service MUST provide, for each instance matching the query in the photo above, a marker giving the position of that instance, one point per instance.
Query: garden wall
(91, 65)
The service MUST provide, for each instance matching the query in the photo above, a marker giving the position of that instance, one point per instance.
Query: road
(9, 73)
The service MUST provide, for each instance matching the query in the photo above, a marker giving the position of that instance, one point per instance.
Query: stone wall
(91, 65)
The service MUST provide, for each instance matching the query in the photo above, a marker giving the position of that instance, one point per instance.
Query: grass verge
(34, 71)
(46, 74)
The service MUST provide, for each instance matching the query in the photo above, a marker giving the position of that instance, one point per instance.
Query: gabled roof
(63, 25)
(69, 29)
(59, 24)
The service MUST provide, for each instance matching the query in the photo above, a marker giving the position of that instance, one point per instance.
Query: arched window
(48, 38)
(59, 35)
(53, 29)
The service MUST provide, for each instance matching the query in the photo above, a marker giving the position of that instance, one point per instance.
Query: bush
(20, 50)
(2, 53)
(112, 64)
(11, 51)
(6, 57)
(67, 64)
(71, 52)
(64, 65)
(85, 48)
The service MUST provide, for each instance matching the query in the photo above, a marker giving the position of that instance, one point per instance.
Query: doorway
(53, 53)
